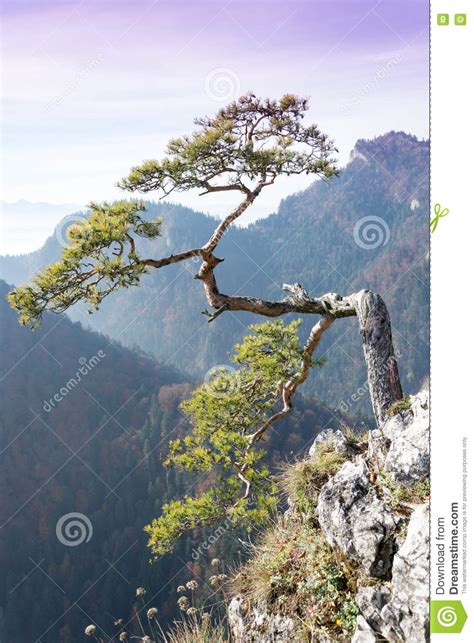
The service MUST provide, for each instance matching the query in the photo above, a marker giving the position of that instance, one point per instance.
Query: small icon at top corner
(443, 18)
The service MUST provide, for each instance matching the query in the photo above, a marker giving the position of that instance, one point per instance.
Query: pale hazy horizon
(92, 88)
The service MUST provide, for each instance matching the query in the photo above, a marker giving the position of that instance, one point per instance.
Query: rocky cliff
(349, 559)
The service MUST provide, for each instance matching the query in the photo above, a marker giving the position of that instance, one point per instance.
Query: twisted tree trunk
(382, 369)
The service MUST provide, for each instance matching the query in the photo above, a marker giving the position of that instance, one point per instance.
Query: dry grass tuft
(197, 631)
(295, 572)
(398, 496)
(399, 406)
(302, 481)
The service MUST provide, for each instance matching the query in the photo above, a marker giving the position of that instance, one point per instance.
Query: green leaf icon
(447, 617)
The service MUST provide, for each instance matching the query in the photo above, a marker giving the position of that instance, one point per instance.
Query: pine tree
(246, 147)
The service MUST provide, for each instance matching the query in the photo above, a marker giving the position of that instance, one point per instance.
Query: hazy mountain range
(368, 228)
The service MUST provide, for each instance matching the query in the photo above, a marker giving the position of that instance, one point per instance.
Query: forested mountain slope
(84, 428)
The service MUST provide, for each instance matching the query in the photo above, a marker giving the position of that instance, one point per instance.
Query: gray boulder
(401, 445)
(377, 449)
(406, 616)
(408, 458)
(402, 613)
(371, 600)
(254, 625)
(333, 438)
(363, 633)
(354, 519)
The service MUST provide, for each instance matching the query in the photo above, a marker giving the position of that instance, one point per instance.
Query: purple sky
(92, 88)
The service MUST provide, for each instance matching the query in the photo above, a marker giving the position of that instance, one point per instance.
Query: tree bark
(382, 369)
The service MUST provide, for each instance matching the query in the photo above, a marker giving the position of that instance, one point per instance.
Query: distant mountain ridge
(368, 228)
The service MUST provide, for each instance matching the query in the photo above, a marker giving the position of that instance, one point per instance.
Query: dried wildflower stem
(160, 628)
(137, 615)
